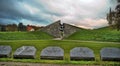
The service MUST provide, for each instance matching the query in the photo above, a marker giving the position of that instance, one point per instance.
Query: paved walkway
(57, 39)
(92, 41)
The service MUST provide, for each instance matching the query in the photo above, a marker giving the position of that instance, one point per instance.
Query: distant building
(30, 28)
(33, 28)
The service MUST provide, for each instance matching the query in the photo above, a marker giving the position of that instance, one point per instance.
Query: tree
(117, 16)
(3, 28)
(118, 1)
(114, 17)
(110, 17)
(21, 27)
(11, 27)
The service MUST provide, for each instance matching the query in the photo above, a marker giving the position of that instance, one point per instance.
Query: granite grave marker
(110, 54)
(52, 53)
(5, 51)
(25, 52)
(82, 53)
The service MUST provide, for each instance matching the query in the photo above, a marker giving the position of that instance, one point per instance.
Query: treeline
(19, 27)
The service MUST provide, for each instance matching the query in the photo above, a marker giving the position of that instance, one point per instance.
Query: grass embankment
(24, 35)
(103, 34)
(66, 45)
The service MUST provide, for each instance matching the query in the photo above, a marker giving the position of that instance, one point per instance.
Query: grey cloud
(12, 9)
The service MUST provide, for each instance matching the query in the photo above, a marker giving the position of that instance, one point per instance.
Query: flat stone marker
(5, 51)
(110, 54)
(25, 52)
(52, 53)
(82, 53)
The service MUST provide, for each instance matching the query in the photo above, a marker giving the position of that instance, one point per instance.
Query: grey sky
(82, 13)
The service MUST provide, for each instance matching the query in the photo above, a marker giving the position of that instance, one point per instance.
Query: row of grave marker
(57, 53)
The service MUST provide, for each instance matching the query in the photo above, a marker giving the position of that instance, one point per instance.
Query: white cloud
(92, 23)
(31, 9)
(87, 13)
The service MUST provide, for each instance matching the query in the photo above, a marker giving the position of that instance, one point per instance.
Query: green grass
(24, 35)
(67, 45)
(103, 34)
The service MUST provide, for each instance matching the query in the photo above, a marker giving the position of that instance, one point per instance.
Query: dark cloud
(15, 11)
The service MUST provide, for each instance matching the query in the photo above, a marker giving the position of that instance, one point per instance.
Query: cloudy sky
(82, 13)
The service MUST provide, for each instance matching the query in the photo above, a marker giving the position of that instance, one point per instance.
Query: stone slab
(110, 54)
(5, 51)
(69, 29)
(52, 53)
(82, 53)
(53, 29)
(25, 52)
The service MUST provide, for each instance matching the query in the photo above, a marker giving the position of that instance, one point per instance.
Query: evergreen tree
(114, 17)
(3, 28)
(21, 27)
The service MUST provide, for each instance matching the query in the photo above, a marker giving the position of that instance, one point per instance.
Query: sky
(90, 14)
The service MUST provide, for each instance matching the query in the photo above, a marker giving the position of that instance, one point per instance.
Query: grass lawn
(102, 34)
(67, 45)
(24, 35)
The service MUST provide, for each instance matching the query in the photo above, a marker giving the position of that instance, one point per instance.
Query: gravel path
(36, 64)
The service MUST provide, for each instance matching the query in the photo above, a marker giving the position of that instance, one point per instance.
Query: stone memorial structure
(110, 54)
(82, 53)
(5, 51)
(25, 52)
(53, 29)
(69, 29)
(52, 53)
(59, 30)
